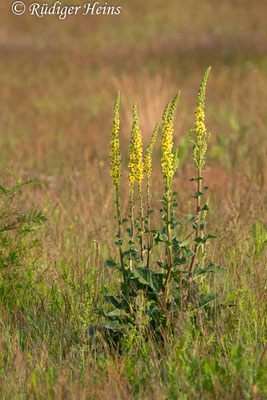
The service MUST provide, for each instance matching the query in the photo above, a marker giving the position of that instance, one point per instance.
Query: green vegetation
(174, 285)
(72, 326)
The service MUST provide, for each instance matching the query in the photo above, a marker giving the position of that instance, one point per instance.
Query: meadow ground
(58, 81)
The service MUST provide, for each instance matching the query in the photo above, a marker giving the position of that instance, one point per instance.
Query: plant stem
(194, 259)
(119, 230)
(170, 255)
(132, 219)
(142, 220)
(148, 223)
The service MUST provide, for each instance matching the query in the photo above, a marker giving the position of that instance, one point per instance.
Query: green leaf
(163, 265)
(112, 264)
(161, 237)
(125, 253)
(4, 190)
(146, 277)
(29, 181)
(189, 253)
(162, 201)
(207, 298)
(175, 222)
(184, 243)
(117, 313)
(199, 240)
(112, 300)
(211, 268)
(197, 194)
(195, 179)
(208, 236)
(115, 326)
(180, 261)
(190, 218)
(202, 225)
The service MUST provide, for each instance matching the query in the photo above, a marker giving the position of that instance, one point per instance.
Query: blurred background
(58, 81)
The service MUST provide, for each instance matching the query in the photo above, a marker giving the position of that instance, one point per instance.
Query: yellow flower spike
(167, 155)
(173, 107)
(169, 164)
(148, 156)
(116, 171)
(168, 160)
(136, 173)
(136, 165)
(115, 144)
(199, 137)
(166, 112)
(199, 134)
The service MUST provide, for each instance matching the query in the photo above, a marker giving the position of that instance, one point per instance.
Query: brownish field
(58, 81)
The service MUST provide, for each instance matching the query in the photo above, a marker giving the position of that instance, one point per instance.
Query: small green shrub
(259, 235)
(17, 240)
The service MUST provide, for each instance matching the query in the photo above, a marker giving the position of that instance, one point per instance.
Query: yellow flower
(115, 144)
(167, 154)
(136, 164)
(169, 160)
(199, 134)
(148, 156)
